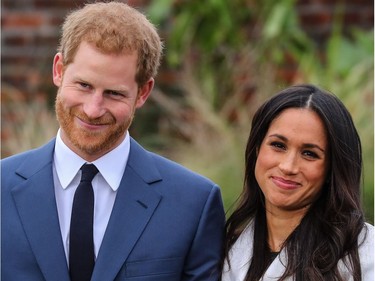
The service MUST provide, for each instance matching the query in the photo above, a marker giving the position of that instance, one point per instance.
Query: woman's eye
(278, 145)
(310, 154)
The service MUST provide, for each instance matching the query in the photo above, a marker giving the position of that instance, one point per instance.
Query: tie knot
(88, 172)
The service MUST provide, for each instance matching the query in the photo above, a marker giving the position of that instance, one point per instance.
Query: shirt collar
(110, 165)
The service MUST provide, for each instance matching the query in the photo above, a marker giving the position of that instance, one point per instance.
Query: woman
(299, 216)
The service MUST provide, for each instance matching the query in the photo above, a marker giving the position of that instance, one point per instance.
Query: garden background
(222, 59)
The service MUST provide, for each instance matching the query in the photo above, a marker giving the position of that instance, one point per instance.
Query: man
(150, 218)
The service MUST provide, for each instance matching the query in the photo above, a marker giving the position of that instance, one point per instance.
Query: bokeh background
(222, 59)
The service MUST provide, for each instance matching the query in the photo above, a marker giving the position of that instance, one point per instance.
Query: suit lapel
(35, 201)
(134, 206)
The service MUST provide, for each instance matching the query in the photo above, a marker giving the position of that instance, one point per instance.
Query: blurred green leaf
(159, 10)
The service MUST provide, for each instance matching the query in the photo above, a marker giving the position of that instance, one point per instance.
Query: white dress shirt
(67, 175)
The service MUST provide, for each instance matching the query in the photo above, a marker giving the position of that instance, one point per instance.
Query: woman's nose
(289, 163)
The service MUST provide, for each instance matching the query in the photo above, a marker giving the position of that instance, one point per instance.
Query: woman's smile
(285, 184)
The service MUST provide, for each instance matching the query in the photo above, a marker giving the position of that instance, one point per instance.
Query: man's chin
(94, 143)
(92, 149)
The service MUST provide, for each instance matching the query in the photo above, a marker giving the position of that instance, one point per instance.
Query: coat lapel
(277, 268)
(134, 206)
(35, 201)
(241, 255)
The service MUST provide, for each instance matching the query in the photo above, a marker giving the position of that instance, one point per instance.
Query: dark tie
(81, 249)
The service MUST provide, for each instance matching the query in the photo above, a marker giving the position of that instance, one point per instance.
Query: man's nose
(93, 106)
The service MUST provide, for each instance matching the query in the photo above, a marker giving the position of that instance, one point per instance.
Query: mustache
(104, 120)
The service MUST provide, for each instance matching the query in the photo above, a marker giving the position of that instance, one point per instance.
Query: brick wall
(30, 32)
(316, 16)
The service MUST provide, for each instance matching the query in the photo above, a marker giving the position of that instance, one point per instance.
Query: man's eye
(113, 93)
(84, 85)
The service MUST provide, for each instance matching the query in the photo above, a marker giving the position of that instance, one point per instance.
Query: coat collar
(240, 257)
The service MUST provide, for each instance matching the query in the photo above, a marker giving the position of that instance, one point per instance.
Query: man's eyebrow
(120, 89)
(117, 89)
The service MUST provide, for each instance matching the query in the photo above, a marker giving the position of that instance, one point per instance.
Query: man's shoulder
(169, 164)
(169, 169)
(31, 155)
(172, 170)
(16, 159)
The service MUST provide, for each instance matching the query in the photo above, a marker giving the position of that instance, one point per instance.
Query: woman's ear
(144, 92)
(58, 69)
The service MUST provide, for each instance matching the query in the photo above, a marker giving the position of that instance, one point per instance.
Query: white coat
(241, 253)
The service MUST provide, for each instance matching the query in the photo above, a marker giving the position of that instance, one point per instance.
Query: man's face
(97, 99)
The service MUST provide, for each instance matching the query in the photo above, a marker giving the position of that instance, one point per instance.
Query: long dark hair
(329, 230)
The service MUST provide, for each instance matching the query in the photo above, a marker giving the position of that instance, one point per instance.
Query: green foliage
(204, 27)
(348, 72)
(281, 32)
(228, 54)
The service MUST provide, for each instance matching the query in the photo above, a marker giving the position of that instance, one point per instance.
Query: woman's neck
(280, 224)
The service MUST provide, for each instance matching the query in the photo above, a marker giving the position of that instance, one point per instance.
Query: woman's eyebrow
(307, 145)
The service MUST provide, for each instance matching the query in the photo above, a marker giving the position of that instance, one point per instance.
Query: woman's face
(292, 160)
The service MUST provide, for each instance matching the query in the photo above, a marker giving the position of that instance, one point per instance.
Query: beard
(86, 141)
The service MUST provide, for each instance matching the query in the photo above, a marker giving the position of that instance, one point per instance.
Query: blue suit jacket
(166, 224)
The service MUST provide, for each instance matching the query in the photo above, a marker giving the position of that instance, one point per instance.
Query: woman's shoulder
(245, 239)
(366, 251)
(366, 243)
(369, 226)
(239, 256)
(367, 235)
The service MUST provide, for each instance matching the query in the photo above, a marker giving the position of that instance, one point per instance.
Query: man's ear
(144, 92)
(58, 69)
